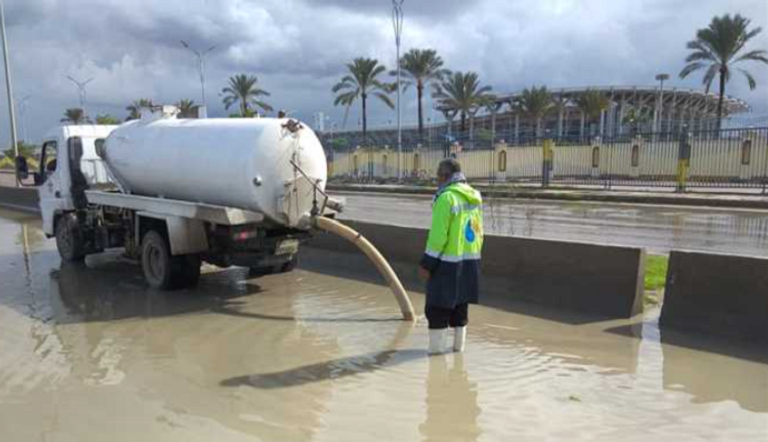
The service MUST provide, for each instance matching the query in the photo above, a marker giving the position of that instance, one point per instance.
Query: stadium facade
(631, 109)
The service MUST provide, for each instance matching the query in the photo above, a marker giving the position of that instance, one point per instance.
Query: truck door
(49, 182)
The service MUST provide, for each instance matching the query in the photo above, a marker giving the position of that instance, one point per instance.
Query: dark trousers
(440, 318)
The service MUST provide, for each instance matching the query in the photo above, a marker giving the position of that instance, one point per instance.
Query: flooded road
(657, 228)
(90, 354)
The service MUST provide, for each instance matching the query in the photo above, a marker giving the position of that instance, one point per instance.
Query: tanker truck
(178, 192)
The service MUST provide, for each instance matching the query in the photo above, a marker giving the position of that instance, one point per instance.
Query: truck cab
(69, 165)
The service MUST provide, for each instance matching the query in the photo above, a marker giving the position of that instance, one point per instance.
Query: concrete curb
(595, 280)
(717, 294)
(728, 201)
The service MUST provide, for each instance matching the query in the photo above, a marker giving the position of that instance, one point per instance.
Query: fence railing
(719, 158)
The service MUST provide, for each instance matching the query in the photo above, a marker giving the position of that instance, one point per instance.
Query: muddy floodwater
(88, 353)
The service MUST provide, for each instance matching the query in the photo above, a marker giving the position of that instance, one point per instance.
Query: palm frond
(691, 68)
(750, 78)
(385, 98)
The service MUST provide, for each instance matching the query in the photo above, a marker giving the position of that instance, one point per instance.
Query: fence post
(546, 163)
(683, 161)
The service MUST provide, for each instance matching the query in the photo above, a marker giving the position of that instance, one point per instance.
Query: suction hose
(332, 226)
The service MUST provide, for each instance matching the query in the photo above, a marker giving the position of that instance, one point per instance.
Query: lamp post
(9, 86)
(397, 23)
(81, 89)
(661, 78)
(201, 68)
(22, 113)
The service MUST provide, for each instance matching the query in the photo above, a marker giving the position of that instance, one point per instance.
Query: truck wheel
(69, 239)
(290, 265)
(188, 273)
(164, 271)
(156, 261)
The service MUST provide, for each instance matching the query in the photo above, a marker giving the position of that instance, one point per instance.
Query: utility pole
(22, 113)
(397, 22)
(203, 112)
(9, 86)
(661, 78)
(83, 97)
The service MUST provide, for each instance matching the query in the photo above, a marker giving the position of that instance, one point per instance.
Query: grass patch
(656, 271)
(655, 277)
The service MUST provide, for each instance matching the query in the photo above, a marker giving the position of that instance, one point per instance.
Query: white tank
(234, 162)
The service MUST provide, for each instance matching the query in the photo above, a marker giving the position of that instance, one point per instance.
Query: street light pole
(9, 86)
(201, 68)
(83, 96)
(661, 78)
(22, 114)
(397, 22)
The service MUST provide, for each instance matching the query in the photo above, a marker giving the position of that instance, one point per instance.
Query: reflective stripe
(464, 257)
(433, 254)
(464, 207)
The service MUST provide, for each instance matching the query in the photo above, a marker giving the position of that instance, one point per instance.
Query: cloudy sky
(298, 48)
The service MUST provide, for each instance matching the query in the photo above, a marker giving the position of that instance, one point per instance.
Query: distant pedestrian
(451, 263)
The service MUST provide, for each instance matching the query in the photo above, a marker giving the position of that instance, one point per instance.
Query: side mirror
(22, 168)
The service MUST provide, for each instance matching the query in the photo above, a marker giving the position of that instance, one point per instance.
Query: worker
(451, 262)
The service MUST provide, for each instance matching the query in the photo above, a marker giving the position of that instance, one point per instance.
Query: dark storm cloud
(298, 48)
(419, 8)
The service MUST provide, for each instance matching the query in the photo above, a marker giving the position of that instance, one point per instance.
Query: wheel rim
(65, 239)
(155, 263)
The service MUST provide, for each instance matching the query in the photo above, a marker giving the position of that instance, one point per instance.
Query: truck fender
(185, 235)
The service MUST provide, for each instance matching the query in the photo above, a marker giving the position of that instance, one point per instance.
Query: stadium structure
(630, 108)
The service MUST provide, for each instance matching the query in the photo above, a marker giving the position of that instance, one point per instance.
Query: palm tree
(718, 48)
(535, 103)
(462, 92)
(360, 82)
(421, 67)
(636, 118)
(244, 89)
(187, 108)
(592, 103)
(74, 116)
(134, 109)
(107, 120)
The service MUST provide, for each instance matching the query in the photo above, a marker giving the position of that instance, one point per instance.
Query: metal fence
(727, 158)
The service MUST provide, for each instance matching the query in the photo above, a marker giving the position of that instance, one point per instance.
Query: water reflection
(109, 289)
(451, 402)
(715, 369)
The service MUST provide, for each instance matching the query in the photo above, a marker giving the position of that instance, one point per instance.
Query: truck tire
(290, 265)
(69, 239)
(164, 271)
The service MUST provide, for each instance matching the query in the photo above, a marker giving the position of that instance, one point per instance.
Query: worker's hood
(465, 190)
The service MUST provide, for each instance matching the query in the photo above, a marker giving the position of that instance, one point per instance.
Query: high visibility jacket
(454, 247)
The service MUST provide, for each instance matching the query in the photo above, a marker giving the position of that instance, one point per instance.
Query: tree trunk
(363, 97)
(463, 127)
(420, 94)
(721, 99)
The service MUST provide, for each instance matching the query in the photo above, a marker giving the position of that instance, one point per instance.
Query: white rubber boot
(460, 338)
(436, 341)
